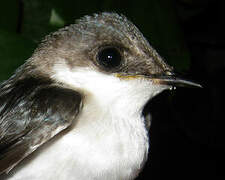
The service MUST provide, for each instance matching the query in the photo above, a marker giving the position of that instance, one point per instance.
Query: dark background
(187, 132)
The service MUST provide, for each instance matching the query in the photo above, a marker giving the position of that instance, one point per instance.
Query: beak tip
(186, 83)
(178, 82)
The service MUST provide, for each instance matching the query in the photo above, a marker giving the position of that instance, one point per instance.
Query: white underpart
(109, 140)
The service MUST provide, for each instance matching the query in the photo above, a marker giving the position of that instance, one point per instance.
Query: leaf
(56, 19)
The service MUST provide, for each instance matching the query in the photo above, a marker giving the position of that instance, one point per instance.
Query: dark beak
(175, 81)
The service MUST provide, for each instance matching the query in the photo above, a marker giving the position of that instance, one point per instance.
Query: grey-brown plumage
(32, 111)
(35, 105)
(79, 43)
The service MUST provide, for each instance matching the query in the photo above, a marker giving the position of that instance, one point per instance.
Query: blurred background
(187, 132)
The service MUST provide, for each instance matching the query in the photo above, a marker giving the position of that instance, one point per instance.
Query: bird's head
(105, 55)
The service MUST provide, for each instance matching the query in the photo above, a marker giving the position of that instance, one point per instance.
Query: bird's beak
(175, 81)
(170, 80)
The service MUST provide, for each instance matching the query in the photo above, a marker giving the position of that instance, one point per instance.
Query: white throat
(108, 93)
(109, 139)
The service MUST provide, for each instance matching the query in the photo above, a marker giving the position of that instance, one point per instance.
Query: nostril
(169, 73)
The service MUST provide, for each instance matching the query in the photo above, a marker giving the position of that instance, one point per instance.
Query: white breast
(91, 152)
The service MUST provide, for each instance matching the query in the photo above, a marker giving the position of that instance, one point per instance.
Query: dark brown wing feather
(32, 111)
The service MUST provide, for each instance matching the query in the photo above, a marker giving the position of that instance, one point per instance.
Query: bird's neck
(111, 137)
(113, 109)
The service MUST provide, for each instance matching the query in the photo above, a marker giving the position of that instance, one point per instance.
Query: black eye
(109, 57)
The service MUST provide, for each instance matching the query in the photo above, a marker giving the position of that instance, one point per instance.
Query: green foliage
(56, 19)
(14, 50)
(23, 22)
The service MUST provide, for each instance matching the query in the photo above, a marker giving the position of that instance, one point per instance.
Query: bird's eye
(109, 57)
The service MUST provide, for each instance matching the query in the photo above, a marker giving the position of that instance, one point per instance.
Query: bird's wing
(31, 113)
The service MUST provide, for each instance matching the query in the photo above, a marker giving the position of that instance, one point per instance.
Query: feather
(32, 111)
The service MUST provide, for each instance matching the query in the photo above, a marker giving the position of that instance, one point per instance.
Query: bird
(73, 110)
